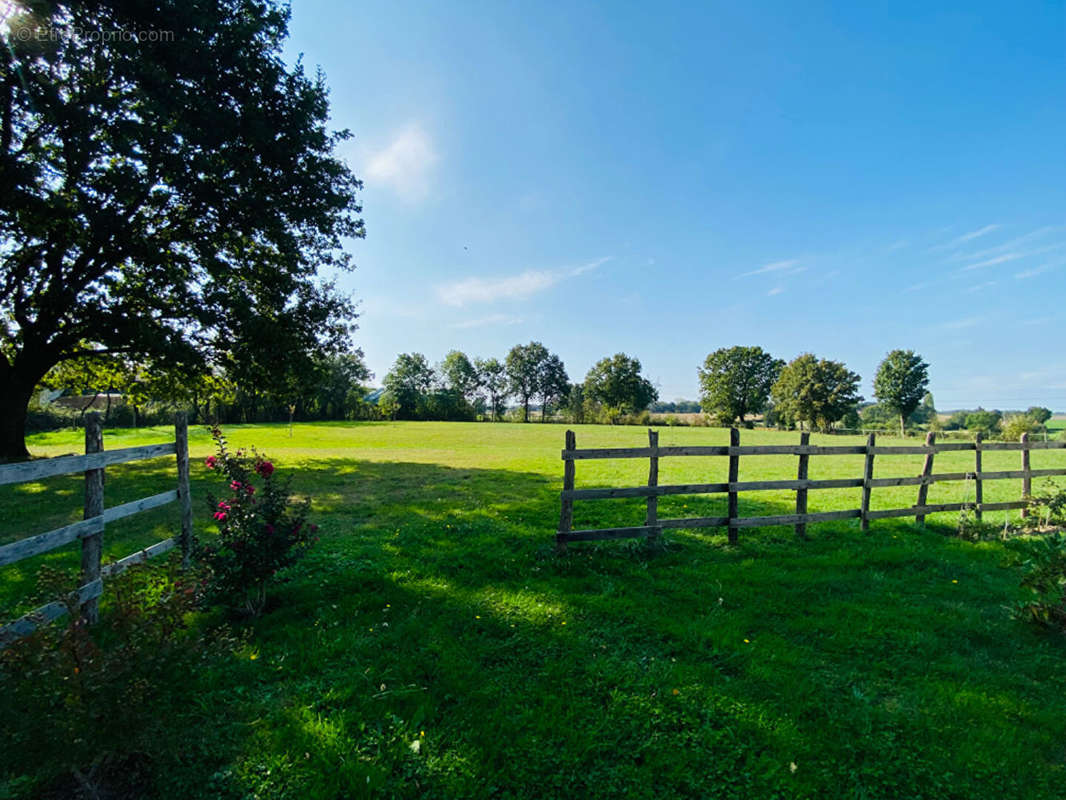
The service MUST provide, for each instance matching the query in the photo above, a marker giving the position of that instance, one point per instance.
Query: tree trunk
(14, 402)
(902, 434)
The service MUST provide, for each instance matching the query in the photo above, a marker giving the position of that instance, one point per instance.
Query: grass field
(434, 611)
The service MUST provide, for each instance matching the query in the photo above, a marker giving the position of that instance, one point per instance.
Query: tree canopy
(407, 384)
(901, 382)
(816, 391)
(616, 383)
(170, 200)
(524, 364)
(736, 381)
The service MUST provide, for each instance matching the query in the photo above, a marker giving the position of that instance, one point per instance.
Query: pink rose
(211, 462)
(220, 516)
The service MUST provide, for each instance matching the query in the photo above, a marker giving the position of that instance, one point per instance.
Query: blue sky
(667, 179)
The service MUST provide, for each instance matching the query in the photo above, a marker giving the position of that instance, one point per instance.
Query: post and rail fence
(95, 519)
(733, 522)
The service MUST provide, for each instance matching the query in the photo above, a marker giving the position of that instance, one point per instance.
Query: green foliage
(1039, 414)
(678, 406)
(492, 377)
(460, 375)
(957, 421)
(1044, 577)
(987, 422)
(187, 191)
(259, 531)
(736, 381)
(616, 384)
(818, 392)
(900, 383)
(340, 388)
(524, 364)
(553, 384)
(88, 702)
(1014, 425)
(1048, 507)
(407, 384)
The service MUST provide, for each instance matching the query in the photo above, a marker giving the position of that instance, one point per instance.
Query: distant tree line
(327, 386)
(738, 386)
(739, 383)
(535, 379)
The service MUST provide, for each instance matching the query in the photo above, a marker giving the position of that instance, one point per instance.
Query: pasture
(433, 645)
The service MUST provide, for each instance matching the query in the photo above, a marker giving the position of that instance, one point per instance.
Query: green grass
(882, 665)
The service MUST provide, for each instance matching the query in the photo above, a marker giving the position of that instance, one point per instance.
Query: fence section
(733, 522)
(96, 518)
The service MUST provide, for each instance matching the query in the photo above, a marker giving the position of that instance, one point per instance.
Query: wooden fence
(733, 522)
(91, 529)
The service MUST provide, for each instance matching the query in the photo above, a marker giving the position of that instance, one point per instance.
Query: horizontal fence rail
(91, 529)
(654, 525)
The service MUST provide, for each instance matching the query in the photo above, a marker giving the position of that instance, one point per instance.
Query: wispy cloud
(404, 164)
(1032, 273)
(1012, 256)
(981, 287)
(1008, 245)
(961, 324)
(491, 319)
(776, 290)
(966, 237)
(775, 266)
(512, 287)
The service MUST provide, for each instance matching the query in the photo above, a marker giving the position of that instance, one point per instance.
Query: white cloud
(776, 290)
(513, 287)
(960, 324)
(966, 237)
(775, 266)
(1013, 256)
(492, 319)
(981, 286)
(1032, 273)
(404, 165)
(1007, 246)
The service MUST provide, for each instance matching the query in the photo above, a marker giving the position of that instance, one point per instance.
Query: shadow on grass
(433, 645)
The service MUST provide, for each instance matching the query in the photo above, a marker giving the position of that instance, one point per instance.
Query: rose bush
(260, 529)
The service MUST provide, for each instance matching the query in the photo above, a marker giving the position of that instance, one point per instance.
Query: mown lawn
(435, 611)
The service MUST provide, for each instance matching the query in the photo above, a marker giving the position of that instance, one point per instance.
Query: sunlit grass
(434, 610)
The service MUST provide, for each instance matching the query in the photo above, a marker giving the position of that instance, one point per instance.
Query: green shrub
(260, 531)
(1044, 569)
(83, 706)
(1014, 425)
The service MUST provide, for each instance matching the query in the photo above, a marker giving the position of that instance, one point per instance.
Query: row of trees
(737, 382)
(464, 388)
(324, 386)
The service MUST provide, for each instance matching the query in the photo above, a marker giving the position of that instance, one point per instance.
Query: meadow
(433, 645)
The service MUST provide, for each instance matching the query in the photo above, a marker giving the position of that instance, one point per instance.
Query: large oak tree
(170, 191)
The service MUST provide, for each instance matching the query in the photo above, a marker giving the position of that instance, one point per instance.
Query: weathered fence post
(566, 515)
(181, 453)
(927, 470)
(867, 481)
(801, 493)
(734, 476)
(1027, 478)
(978, 496)
(652, 518)
(92, 545)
